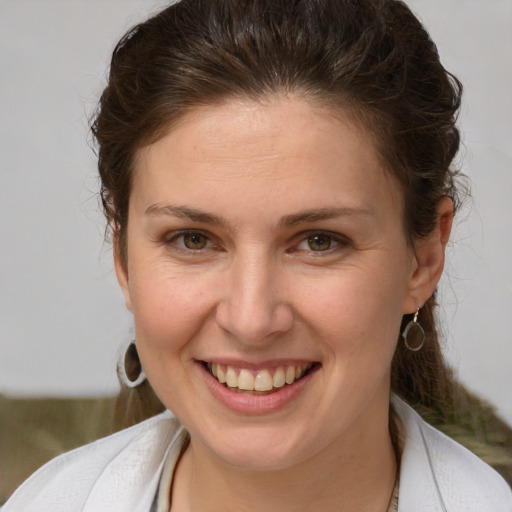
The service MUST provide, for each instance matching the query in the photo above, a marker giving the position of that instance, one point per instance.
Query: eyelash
(336, 242)
(173, 241)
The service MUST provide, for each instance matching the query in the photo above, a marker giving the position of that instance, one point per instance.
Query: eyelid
(339, 240)
(170, 239)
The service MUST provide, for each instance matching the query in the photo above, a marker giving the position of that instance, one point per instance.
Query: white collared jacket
(120, 473)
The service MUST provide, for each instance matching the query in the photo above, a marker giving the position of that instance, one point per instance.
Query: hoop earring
(129, 369)
(414, 335)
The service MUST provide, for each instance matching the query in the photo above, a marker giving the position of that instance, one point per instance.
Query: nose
(254, 308)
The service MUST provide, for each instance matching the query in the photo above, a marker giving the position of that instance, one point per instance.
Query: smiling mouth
(258, 382)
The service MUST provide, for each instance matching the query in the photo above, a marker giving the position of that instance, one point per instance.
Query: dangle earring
(129, 369)
(414, 335)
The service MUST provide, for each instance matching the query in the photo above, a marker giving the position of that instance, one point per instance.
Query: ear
(429, 258)
(121, 266)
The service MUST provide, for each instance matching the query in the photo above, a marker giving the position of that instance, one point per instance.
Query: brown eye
(319, 242)
(195, 241)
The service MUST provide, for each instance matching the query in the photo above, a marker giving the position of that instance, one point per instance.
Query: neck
(356, 474)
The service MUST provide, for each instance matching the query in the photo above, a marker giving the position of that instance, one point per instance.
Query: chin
(258, 457)
(259, 447)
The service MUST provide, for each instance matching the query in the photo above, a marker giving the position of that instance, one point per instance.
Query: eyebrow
(185, 212)
(306, 216)
(320, 214)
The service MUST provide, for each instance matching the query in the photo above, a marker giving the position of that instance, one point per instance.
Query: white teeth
(245, 380)
(262, 380)
(279, 378)
(231, 378)
(220, 374)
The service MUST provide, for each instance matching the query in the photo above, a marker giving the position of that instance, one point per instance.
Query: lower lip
(256, 404)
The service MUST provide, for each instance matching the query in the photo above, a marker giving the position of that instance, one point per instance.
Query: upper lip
(255, 365)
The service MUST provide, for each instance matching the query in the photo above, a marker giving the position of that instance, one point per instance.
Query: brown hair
(372, 58)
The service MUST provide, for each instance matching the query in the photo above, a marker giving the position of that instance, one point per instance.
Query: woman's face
(266, 241)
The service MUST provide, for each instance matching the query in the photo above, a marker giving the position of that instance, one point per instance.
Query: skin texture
(245, 178)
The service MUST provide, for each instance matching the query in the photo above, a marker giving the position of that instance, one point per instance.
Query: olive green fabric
(33, 431)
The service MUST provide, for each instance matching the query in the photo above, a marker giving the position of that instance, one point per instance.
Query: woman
(277, 176)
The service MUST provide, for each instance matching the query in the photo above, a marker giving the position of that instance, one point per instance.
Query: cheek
(354, 315)
(169, 309)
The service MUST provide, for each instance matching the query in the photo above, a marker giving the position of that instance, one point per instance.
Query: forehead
(285, 146)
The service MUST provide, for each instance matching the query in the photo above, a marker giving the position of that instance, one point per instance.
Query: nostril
(254, 322)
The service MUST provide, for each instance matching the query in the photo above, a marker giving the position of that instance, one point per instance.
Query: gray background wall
(62, 318)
